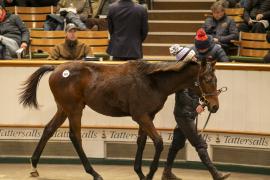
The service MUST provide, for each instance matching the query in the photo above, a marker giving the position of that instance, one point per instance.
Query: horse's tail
(28, 96)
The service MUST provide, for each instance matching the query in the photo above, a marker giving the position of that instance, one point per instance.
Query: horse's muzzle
(214, 109)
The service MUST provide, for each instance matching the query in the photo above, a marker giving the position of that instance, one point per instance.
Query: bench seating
(252, 47)
(42, 42)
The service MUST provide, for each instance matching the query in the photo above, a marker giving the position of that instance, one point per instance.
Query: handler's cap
(182, 53)
(71, 26)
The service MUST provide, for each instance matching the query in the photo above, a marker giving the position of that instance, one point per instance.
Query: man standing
(128, 28)
(72, 48)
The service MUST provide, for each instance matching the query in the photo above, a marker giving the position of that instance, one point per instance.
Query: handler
(186, 108)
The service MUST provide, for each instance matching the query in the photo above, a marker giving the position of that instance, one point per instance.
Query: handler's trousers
(187, 129)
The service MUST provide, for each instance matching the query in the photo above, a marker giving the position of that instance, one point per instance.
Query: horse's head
(207, 85)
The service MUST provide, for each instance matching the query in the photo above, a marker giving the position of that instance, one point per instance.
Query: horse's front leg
(146, 122)
(141, 140)
(75, 137)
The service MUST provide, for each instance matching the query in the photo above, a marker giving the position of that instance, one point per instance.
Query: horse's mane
(151, 68)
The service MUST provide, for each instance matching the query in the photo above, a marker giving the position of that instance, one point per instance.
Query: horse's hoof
(98, 178)
(223, 176)
(34, 173)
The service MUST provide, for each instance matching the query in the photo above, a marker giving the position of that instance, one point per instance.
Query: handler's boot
(210, 166)
(168, 175)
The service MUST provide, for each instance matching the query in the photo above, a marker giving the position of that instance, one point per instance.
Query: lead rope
(221, 90)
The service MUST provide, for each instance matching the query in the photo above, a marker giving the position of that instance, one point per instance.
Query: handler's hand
(199, 109)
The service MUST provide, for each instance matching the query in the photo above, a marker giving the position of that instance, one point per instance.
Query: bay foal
(136, 88)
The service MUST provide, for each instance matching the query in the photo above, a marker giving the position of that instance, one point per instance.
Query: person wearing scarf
(13, 34)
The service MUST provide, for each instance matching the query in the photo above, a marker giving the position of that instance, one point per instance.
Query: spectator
(72, 48)
(206, 48)
(34, 3)
(14, 34)
(231, 3)
(128, 28)
(222, 28)
(5, 3)
(82, 11)
(256, 16)
(267, 57)
(72, 11)
(186, 108)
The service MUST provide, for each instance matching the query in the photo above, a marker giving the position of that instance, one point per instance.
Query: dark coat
(128, 27)
(254, 7)
(224, 29)
(215, 52)
(14, 28)
(186, 102)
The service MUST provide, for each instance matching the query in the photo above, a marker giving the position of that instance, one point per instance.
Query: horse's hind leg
(75, 137)
(49, 130)
(141, 140)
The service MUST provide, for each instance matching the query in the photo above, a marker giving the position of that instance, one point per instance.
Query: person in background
(82, 13)
(256, 16)
(206, 48)
(187, 107)
(267, 56)
(128, 28)
(222, 28)
(5, 3)
(14, 34)
(72, 48)
(33, 3)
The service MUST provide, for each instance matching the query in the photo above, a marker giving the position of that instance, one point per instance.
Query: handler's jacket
(186, 102)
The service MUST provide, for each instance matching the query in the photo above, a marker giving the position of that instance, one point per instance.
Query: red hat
(202, 41)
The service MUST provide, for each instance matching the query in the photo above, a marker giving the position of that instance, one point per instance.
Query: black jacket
(128, 27)
(14, 28)
(186, 102)
(254, 7)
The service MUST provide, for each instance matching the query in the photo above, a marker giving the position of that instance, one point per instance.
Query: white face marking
(65, 73)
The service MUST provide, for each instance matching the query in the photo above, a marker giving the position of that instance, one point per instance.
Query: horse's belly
(108, 110)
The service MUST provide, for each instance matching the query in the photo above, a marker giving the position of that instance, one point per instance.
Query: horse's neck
(171, 82)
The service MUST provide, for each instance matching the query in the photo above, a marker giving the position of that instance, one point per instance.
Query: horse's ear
(213, 64)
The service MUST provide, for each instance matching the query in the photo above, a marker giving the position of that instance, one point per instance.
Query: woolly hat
(181, 53)
(202, 41)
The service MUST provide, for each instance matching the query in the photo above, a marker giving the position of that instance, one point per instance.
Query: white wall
(244, 107)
